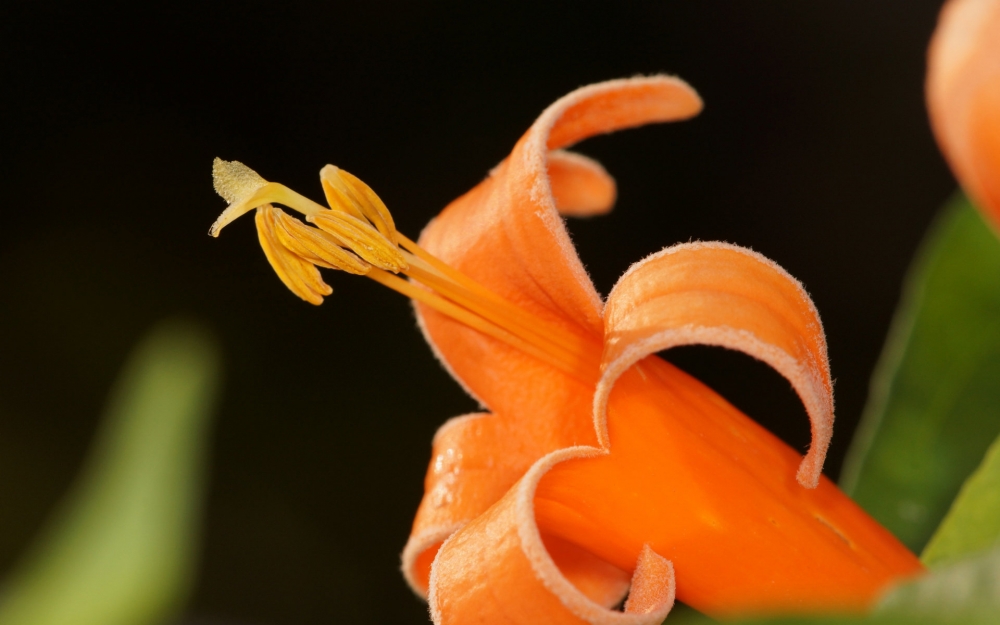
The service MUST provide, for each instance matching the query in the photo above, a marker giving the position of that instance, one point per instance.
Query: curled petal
(501, 569)
(719, 294)
(475, 459)
(963, 96)
(615, 105)
(581, 187)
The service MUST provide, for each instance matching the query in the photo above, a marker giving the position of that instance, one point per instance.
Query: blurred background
(814, 149)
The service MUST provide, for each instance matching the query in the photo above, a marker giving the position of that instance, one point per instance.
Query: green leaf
(935, 400)
(973, 523)
(121, 550)
(964, 591)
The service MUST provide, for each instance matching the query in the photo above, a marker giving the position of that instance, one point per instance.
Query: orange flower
(600, 470)
(963, 96)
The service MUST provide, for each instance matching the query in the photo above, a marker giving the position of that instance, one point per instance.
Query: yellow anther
(300, 276)
(358, 236)
(347, 192)
(337, 197)
(316, 246)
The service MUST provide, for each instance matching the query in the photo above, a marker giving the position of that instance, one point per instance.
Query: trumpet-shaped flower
(963, 96)
(599, 470)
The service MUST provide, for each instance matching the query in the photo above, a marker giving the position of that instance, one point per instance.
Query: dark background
(813, 149)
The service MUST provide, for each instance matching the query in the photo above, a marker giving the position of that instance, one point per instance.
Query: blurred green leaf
(962, 616)
(122, 549)
(875, 619)
(686, 615)
(964, 591)
(935, 399)
(973, 523)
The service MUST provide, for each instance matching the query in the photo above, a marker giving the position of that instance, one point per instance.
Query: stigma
(356, 234)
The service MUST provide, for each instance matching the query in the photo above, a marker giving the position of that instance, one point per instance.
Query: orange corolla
(600, 472)
(963, 96)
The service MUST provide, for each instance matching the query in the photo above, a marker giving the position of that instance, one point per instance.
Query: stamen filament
(476, 322)
(567, 340)
(519, 323)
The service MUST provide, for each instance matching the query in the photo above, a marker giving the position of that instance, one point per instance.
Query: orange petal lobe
(720, 294)
(581, 187)
(475, 460)
(499, 569)
(615, 105)
(963, 96)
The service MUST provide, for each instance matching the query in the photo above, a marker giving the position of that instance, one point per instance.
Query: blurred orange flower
(963, 96)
